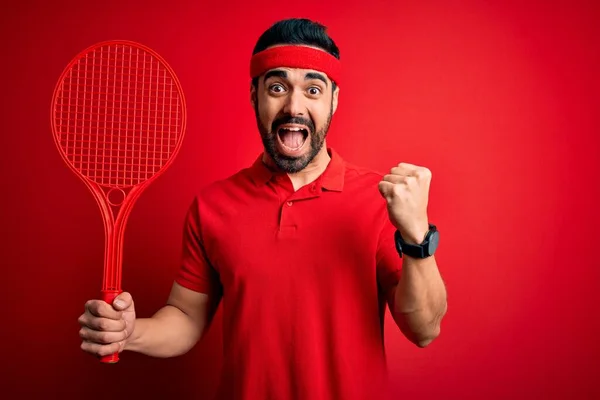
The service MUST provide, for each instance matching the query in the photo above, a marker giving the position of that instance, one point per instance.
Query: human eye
(276, 88)
(314, 91)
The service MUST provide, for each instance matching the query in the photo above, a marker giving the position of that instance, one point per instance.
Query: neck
(312, 171)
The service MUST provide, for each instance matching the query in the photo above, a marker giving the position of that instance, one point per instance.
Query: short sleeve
(389, 262)
(195, 272)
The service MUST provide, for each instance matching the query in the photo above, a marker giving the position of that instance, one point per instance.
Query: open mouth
(292, 137)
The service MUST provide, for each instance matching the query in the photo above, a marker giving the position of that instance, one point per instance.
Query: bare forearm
(168, 333)
(420, 300)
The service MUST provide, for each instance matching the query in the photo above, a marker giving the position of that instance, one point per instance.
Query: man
(303, 249)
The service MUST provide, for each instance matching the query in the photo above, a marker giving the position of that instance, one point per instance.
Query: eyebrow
(278, 73)
(283, 74)
(315, 75)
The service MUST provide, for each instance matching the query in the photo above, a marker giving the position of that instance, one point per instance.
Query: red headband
(292, 56)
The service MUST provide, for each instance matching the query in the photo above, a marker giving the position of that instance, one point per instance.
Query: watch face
(433, 242)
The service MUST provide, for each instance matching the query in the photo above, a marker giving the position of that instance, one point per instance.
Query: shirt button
(289, 203)
(313, 188)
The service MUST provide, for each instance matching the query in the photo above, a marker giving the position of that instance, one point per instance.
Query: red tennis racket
(118, 119)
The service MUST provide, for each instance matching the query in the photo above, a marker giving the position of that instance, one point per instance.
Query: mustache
(288, 119)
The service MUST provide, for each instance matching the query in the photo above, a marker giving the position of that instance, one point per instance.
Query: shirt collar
(331, 179)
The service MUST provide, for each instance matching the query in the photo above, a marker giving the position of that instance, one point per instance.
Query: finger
(101, 337)
(99, 308)
(101, 350)
(122, 301)
(386, 189)
(405, 169)
(403, 172)
(411, 170)
(102, 324)
(404, 179)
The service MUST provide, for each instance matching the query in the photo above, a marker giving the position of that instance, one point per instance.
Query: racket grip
(109, 296)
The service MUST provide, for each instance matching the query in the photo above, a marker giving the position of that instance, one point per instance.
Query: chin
(292, 164)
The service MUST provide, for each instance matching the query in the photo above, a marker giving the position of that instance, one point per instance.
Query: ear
(252, 95)
(336, 93)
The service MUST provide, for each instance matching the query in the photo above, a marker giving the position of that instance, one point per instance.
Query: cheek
(320, 115)
(267, 111)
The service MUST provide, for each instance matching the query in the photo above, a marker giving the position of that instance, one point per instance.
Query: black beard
(292, 164)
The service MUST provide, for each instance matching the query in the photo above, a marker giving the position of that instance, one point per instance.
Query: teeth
(293, 129)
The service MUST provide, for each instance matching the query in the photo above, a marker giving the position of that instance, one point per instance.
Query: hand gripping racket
(118, 119)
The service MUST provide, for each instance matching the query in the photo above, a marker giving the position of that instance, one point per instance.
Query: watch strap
(414, 250)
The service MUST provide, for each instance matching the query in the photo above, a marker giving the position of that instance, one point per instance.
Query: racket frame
(115, 215)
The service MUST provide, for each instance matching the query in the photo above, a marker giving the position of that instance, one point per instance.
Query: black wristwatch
(423, 250)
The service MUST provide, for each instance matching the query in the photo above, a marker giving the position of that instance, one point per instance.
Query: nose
(294, 104)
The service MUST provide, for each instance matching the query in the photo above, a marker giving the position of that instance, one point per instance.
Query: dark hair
(296, 31)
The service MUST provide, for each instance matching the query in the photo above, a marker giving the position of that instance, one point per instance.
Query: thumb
(122, 301)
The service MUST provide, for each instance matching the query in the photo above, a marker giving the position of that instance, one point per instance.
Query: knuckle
(104, 337)
(94, 308)
(107, 350)
(91, 305)
(88, 347)
(102, 324)
(101, 309)
(404, 180)
(110, 349)
(102, 351)
(425, 172)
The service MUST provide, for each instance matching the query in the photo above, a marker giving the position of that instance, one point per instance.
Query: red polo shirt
(303, 278)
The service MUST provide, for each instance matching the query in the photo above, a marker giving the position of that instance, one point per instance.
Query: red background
(499, 100)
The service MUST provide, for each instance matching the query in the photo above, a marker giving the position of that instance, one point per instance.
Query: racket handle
(109, 296)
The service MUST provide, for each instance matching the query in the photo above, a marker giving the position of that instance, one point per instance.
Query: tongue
(292, 139)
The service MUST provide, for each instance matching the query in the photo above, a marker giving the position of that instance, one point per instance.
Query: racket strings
(118, 115)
